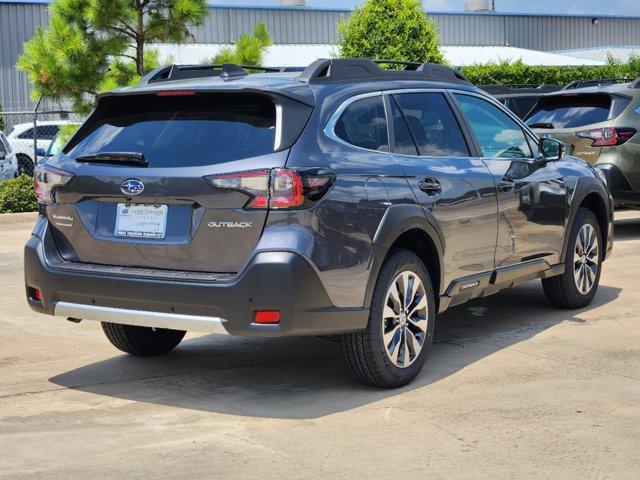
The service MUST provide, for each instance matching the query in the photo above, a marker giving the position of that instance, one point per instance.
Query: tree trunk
(140, 41)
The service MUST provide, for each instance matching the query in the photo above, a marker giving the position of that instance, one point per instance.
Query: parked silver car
(8, 160)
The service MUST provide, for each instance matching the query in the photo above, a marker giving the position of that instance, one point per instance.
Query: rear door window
(363, 124)
(177, 131)
(432, 124)
(574, 110)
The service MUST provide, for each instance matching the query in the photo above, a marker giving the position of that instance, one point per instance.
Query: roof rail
(224, 71)
(345, 69)
(600, 82)
(520, 89)
(635, 83)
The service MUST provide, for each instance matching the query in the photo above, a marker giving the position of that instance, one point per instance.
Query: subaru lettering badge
(132, 186)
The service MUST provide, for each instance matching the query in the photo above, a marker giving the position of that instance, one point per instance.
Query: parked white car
(21, 140)
(8, 160)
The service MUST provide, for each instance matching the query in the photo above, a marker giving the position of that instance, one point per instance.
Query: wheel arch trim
(397, 220)
(586, 186)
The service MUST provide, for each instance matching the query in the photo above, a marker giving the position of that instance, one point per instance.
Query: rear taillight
(276, 188)
(608, 136)
(46, 179)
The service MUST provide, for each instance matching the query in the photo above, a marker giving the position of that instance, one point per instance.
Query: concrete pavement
(513, 389)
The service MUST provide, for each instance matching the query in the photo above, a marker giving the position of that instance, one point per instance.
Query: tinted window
(571, 110)
(432, 124)
(499, 135)
(47, 132)
(402, 139)
(522, 105)
(27, 134)
(363, 124)
(198, 130)
(4, 144)
(3, 150)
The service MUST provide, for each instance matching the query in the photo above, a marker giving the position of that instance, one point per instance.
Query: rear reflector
(267, 316)
(35, 294)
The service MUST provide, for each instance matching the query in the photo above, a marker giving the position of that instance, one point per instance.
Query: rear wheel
(395, 345)
(142, 341)
(25, 165)
(577, 286)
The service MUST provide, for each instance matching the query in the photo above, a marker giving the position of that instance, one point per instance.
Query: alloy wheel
(405, 319)
(586, 259)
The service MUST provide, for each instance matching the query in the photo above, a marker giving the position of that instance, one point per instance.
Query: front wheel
(142, 341)
(394, 346)
(577, 286)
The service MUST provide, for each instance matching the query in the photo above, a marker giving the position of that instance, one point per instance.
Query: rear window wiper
(120, 158)
(546, 125)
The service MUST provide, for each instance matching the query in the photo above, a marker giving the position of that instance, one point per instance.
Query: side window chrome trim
(329, 129)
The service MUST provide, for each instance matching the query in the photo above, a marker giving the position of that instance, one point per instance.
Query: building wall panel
(18, 22)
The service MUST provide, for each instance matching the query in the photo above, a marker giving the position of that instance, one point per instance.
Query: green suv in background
(599, 125)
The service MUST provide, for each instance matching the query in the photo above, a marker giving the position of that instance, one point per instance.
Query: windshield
(175, 131)
(570, 110)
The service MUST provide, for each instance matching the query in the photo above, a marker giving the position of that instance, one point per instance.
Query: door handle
(430, 186)
(507, 186)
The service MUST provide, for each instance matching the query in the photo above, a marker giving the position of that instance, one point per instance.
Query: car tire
(142, 341)
(25, 165)
(385, 355)
(577, 286)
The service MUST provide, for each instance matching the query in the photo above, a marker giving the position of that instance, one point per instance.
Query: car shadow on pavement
(304, 378)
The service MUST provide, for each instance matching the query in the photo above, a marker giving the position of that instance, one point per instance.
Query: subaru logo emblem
(132, 186)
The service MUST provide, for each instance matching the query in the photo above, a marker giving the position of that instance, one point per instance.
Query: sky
(587, 7)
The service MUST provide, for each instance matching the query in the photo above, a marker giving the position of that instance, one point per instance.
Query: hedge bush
(17, 195)
(509, 73)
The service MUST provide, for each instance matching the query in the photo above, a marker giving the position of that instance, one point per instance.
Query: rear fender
(397, 220)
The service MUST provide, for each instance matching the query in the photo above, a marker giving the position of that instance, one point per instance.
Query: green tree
(390, 30)
(90, 40)
(248, 49)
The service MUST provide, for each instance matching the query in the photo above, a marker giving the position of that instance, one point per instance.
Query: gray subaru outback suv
(345, 200)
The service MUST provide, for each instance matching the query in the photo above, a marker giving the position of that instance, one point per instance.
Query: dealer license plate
(139, 220)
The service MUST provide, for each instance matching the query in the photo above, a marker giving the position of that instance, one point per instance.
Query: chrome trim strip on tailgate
(140, 318)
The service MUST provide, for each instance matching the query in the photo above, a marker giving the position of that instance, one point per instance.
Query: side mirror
(551, 149)
(41, 152)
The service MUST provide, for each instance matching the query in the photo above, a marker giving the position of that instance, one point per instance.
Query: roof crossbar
(349, 69)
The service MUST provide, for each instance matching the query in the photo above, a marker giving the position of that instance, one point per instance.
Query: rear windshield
(177, 131)
(575, 110)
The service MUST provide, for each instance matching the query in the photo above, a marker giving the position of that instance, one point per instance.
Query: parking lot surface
(513, 389)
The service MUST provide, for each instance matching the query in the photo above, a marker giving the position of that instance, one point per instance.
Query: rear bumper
(283, 281)
(622, 192)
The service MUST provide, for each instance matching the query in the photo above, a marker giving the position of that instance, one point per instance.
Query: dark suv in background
(345, 200)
